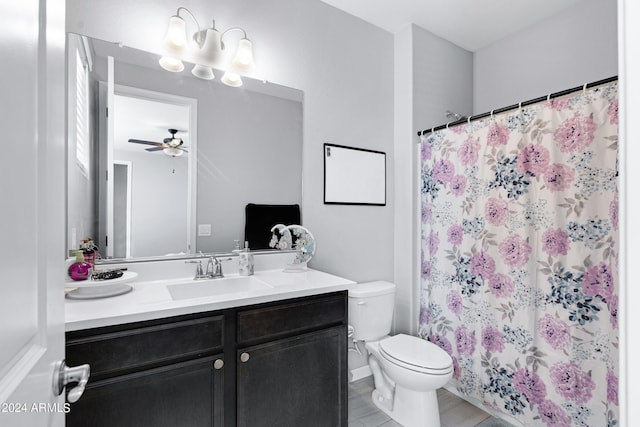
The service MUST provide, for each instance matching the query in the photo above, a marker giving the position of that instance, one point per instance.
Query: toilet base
(410, 408)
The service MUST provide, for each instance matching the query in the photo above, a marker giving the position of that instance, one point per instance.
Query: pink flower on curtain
(559, 177)
(571, 382)
(425, 315)
(458, 185)
(496, 211)
(613, 112)
(454, 302)
(443, 171)
(554, 331)
(558, 104)
(515, 251)
(456, 368)
(468, 151)
(426, 268)
(441, 342)
(465, 341)
(454, 234)
(492, 340)
(552, 415)
(555, 242)
(575, 134)
(483, 265)
(530, 385)
(613, 213)
(433, 242)
(613, 311)
(501, 285)
(426, 212)
(498, 135)
(612, 388)
(533, 159)
(598, 281)
(426, 151)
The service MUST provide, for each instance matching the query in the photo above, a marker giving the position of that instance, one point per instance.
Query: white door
(32, 213)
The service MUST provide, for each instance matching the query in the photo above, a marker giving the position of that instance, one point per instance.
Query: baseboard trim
(360, 373)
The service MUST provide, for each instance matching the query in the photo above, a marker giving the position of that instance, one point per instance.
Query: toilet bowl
(407, 370)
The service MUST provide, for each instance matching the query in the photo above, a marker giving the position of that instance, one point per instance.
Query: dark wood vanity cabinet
(275, 364)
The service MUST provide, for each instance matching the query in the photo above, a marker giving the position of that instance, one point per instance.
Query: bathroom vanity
(274, 357)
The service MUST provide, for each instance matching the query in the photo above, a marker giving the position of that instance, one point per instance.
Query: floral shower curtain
(519, 258)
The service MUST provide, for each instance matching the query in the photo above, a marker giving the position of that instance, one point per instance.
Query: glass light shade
(210, 47)
(202, 72)
(243, 59)
(171, 64)
(231, 79)
(173, 152)
(175, 41)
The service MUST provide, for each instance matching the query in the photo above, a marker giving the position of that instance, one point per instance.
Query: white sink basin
(227, 286)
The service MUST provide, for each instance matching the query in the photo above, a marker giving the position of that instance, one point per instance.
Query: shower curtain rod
(522, 104)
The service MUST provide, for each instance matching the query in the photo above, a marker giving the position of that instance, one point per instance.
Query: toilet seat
(416, 354)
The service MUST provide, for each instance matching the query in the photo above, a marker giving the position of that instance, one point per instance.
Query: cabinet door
(183, 394)
(293, 382)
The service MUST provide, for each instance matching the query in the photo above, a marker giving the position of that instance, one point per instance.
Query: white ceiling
(138, 118)
(470, 24)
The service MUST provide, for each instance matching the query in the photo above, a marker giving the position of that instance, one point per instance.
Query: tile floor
(454, 412)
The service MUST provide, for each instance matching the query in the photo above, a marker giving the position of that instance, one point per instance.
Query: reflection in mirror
(239, 146)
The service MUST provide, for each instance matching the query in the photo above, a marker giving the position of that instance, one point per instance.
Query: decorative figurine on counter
(305, 244)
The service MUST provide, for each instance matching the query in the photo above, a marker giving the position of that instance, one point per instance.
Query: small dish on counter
(89, 289)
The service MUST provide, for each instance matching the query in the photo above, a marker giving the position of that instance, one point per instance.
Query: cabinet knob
(244, 357)
(218, 364)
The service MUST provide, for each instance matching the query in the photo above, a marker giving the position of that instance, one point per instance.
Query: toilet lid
(415, 352)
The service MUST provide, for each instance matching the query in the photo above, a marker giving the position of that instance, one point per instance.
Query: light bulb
(171, 64)
(243, 59)
(202, 72)
(231, 79)
(175, 41)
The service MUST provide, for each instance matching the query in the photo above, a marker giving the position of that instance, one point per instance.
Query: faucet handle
(199, 272)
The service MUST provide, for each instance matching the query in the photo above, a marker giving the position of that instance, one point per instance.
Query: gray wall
(575, 47)
(345, 68)
(431, 76)
(158, 203)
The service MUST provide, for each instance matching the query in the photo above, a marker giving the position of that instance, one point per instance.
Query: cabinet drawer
(147, 346)
(281, 320)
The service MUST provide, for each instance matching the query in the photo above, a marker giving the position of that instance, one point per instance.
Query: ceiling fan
(172, 146)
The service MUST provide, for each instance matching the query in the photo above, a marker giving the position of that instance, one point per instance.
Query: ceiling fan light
(231, 79)
(173, 152)
(202, 72)
(171, 64)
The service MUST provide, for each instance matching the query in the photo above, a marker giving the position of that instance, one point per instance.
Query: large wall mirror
(139, 200)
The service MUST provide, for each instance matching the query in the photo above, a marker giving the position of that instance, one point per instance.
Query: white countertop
(150, 299)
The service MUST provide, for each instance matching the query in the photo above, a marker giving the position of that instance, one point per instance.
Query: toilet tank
(371, 309)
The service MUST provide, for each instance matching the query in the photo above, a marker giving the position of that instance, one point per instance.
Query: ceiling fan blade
(140, 141)
(154, 149)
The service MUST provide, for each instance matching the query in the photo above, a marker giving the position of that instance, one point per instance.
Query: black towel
(259, 219)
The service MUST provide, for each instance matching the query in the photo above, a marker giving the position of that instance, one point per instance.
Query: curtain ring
(584, 89)
(549, 97)
(492, 118)
(431, 130)
(447, 125)
(469, 120)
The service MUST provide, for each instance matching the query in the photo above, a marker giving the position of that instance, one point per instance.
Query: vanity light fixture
(207, 53)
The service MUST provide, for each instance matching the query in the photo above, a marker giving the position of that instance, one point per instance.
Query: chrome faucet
(199, 273)
(213, 261)
(214, 268)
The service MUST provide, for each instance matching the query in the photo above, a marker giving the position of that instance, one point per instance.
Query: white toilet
(407, 370)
